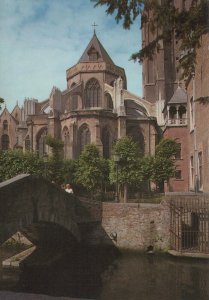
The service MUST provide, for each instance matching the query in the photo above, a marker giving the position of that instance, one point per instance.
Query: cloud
(41, 39)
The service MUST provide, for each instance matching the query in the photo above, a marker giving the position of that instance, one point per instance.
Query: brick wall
(131, 226)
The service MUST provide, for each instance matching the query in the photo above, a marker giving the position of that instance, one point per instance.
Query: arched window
(182, 114)
(106, 142)
(137, 136)
(109, 102)
(93, 93)
(5, 125)
(172, 114)
(41, 141)
(5, 142)
(84, 137)
(66, 140)
(27, 143)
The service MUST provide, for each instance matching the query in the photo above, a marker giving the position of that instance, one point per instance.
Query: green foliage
(1, 102)
(129, 171)
(54, 166)
(167, 148)
(90, 168)
(14, 162)
(166, 19)
(69, 167)
(164, 164)
(56, 145)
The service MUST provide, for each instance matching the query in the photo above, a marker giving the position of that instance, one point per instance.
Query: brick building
(181, 107)
(198, 105)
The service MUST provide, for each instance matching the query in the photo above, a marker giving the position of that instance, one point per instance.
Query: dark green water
(104, 274)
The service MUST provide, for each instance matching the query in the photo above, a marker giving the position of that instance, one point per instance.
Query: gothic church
(96, 107)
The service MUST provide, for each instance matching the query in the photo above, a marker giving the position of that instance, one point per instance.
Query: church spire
(94, 25)
(95, 51)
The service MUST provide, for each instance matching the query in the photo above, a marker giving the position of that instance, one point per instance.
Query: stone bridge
(29, 199)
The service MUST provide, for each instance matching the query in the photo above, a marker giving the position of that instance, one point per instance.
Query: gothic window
(27, 143)
(106, 142)
(137, 136)
(5, 142)
(109, 102)
(66, 140)
(84, 137)
(41, 142)
(93, 93)
(5, 125)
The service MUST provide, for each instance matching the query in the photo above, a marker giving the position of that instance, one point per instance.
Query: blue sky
(41, 39)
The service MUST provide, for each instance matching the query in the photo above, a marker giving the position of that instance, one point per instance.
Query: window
(27, 143)
(66, 140)
(178, 153)
(41, 142)
(5, 142)
(93, 54)
(200, 169)
(182, 114)
(178, 174)
(191, 114)
(5, 125)
(172, 114)
(84, 137)
(93, 93)
(191, 171)
(135, 133)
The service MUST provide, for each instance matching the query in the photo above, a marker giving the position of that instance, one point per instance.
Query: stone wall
(28, 199)
(132, 226)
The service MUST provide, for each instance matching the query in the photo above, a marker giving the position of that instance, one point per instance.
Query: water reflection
(154, 277)
(103, 274)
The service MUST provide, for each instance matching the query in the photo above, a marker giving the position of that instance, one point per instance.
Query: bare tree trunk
(125, 192)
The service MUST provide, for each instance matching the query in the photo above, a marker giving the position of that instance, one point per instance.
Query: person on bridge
(68, 188)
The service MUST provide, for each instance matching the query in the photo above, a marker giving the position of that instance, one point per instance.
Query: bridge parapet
(27, 199)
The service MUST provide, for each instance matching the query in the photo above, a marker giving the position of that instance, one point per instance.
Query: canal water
(105, 274)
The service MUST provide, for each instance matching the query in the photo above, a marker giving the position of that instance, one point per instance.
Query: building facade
(181, 106)
(95, 108)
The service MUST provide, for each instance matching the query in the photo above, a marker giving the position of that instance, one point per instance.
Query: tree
(55, 161)
(129, 172)
(164, 161)
(188, 25)
(14, 162)
(90, 169)
(1, 102)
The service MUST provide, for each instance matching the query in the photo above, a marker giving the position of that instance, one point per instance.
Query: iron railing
(189, 228)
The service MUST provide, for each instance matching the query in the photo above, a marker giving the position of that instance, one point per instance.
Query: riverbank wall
(129, 226)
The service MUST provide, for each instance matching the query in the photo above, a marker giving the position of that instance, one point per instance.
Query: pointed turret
(95, 52)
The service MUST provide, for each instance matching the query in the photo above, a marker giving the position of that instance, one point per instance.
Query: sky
(41, 39)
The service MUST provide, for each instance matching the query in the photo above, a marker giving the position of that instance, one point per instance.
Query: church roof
(179, 96)
(95, 44)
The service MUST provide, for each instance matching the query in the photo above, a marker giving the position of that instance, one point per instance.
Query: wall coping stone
(14, 179)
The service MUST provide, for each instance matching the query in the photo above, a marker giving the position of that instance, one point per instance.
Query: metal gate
(189, 228)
